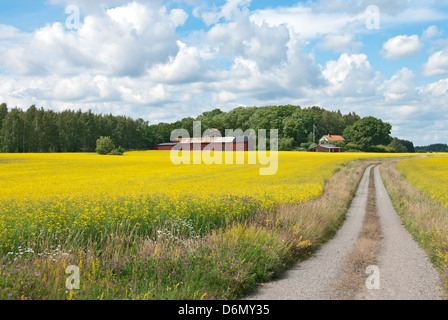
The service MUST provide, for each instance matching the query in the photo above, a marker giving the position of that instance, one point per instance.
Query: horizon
(171, 59)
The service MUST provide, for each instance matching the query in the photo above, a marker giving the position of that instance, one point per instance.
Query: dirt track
(404, 270)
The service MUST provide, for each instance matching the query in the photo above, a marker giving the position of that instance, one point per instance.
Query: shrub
(117, 152)
(340, 144)
(285, 144)
(305, 145)
(399, 148)
(381, 149)
(104, 145)
(352, 146)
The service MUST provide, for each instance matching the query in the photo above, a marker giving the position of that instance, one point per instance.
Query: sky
(163, 60)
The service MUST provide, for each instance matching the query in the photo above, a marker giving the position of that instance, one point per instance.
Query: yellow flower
(74, 193)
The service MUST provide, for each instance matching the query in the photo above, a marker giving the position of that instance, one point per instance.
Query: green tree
(50, 141)
(399, 148)
(368, 132)
(350, 119)
(331, 123)
(3, 113)
(285, 144)
(340, 144)
(408, 144)
(104, 145)
(12, 135)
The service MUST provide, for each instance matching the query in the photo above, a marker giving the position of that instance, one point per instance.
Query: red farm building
(215, 143)
(325, 148)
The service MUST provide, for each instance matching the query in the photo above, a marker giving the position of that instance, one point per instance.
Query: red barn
(163, 146)
(217, 143)
(325, 148)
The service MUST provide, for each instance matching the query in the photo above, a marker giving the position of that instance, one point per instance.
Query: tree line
(39, 130)
(298, 128)
(294, 123)
(438, 147)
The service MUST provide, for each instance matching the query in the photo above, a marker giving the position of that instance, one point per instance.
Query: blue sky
(163, 60)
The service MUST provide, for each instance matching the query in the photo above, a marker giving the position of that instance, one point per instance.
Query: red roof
(331, 137)
(210, 140)
(325, 146)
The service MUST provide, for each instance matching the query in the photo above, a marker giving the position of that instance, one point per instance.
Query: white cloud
(358, 6)
(339, 42)
(228, 11)
(9, 32)
(437, 89)
(125, 41)
(401, 87)
(351, 76)
(89, 7)
(437, 64)
(416, 12)
(401, 47)
(264, 44)
(307, 23)
(187, 66)
(431, 32)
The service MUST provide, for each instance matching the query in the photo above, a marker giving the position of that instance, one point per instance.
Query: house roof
(213, 140)
(165, 144)
(329, 146)
(331, 137)
(326, 146)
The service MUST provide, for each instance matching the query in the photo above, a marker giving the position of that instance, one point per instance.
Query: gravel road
(404, 269)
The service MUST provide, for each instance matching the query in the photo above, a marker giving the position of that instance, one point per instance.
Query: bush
(399, 148)
(114, 153)
(285, 144)
(381, 149)
(305, 145)
(104, 145)
(352, 146)
(340, 144)
(117, 152)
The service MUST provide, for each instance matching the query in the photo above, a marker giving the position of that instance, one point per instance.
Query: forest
(39, 130)
(439, 147)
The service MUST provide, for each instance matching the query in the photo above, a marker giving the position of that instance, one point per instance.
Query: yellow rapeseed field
(64, 194)
(430, 174)
(139, 227)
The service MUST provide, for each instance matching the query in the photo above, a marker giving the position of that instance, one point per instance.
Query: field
(418, 189)
(139, 227)
(429, 174)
